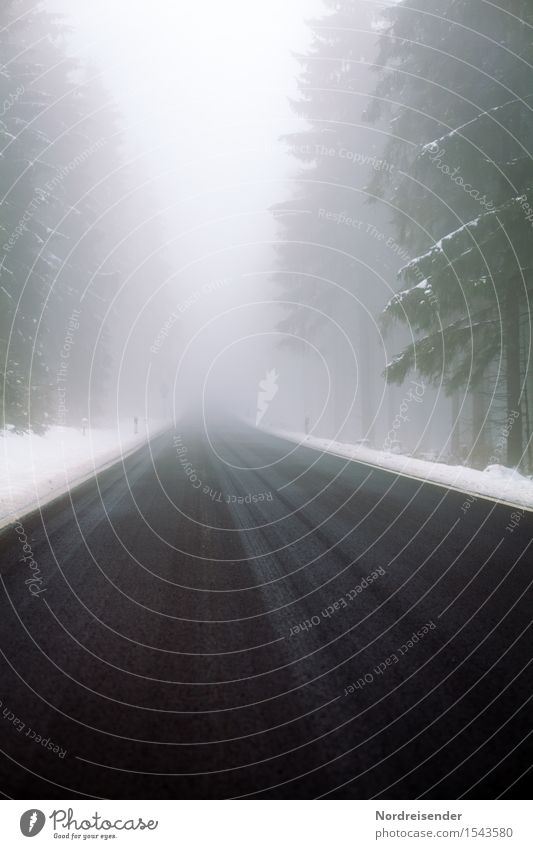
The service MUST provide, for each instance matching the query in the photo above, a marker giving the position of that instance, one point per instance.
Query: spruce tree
(461, 119)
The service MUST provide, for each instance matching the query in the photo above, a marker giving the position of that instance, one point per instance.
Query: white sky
(204, 90)
(208, 73)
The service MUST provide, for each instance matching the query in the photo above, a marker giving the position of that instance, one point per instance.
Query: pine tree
(62, 221)
(23, 277)
(462, 130)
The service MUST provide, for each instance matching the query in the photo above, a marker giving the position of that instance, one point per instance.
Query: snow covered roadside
(496, 482)
(36, 469)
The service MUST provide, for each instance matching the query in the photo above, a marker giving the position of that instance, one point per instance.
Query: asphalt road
(235, 618)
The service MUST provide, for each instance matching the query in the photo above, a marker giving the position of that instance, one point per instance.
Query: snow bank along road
(246, 617)
(36, 469)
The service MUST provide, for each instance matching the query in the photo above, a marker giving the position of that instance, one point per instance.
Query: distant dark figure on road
(84, 423)
(135, 424)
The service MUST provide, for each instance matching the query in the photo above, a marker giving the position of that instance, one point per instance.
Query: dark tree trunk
(367, 380)
(456, 427)
(514, 401)
(479, 437)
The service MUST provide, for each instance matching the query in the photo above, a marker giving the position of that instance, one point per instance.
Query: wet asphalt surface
(242, 617)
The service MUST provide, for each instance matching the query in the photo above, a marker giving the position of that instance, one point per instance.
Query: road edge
(55, 494)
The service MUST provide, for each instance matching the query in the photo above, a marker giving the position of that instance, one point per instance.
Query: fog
(253, 224)
(267, 410)
(202, 93)
(203, 97)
